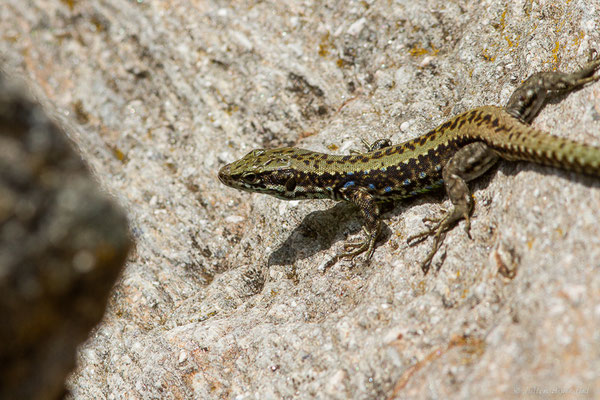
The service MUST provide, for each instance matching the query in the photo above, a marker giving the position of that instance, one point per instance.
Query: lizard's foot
(438, 230)
(526, 102)
(376, 145)
(419, 237)
(352, 249)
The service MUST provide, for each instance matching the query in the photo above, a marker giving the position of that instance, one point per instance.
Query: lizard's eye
(250, 177)
(290, 184)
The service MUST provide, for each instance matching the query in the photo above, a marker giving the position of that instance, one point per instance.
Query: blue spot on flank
(371, 186)
(350, 173)
(413, 193)
(438, 167)
(387, 189)
(406, 182)
(383, 169)
(348, 184)
(422, 175)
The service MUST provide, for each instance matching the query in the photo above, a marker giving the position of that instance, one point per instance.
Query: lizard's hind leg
(470, 162)
(526, 102)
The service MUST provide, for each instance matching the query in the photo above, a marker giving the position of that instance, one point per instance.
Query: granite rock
(224, 297)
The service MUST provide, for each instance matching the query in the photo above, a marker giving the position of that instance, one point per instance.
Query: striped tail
(514, 140)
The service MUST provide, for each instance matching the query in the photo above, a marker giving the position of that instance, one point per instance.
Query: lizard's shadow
(327, 227)
(322, 227)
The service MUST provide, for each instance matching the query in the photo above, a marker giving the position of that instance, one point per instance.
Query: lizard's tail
(514, 140)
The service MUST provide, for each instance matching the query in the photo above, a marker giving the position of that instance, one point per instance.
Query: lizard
(449, 156)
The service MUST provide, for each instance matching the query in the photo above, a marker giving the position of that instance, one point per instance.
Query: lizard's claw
(438, 231)
(431, 230)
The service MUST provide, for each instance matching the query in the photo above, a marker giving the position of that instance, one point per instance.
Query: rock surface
(62, 245)
(224, 297)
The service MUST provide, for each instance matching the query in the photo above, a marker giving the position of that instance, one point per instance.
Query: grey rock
(224, 297)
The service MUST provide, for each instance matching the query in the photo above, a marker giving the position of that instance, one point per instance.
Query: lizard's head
(264, 171)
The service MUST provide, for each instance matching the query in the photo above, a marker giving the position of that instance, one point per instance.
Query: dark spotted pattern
(405, 170)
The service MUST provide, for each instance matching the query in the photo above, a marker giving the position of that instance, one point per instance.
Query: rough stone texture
(225, 298)
(62, 245)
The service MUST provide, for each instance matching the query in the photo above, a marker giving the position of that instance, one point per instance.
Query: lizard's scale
(455, 152)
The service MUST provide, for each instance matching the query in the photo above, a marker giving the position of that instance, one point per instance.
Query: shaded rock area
(224, 296)
(62, 245)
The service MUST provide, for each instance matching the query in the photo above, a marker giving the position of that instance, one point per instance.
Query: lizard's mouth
(225, 175)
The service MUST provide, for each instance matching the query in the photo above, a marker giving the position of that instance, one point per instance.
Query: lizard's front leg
(372, 224)
(468, 163)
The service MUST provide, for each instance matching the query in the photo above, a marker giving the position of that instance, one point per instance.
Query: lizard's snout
(224, 174)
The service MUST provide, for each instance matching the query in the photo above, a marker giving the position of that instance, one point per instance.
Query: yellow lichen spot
(324, 45)
(417, 50)
(527, 8)
(70, 4)
(487, 56)
(119, 155)
(464, 293)
(559, 231)
(512, 43)
(333, 147)
(555, 54)
(231, 108)
(502, 23)
(578, 38)
(421, 286)
(530, 244)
